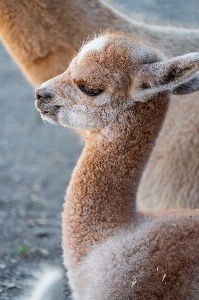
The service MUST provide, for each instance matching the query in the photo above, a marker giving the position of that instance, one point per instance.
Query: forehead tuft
(95, 45)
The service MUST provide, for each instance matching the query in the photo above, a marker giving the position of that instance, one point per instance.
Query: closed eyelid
(89, 91)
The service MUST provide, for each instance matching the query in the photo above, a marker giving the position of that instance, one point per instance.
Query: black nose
(43, 94)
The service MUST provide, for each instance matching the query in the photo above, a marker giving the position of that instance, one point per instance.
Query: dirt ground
(36, 162)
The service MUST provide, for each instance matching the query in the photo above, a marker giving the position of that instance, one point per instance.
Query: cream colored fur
(43, 36)
(118, 89)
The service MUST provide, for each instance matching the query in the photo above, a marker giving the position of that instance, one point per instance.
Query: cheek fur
(77, 119)
(103, 99)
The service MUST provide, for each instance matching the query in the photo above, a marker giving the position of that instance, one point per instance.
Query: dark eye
(89, 91)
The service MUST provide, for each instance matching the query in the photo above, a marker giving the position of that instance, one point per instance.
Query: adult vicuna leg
(44, 35)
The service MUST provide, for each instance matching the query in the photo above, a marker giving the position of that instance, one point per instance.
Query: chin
(49, 119)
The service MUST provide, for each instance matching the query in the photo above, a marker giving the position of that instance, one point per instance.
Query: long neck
(43, 36)
(101, 197)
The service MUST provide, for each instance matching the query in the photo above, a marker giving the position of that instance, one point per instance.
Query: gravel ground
(36, 162)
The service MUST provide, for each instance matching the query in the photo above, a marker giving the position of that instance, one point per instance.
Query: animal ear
(188, 87)
(176, 74)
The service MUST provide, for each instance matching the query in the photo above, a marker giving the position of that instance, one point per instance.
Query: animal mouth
(51, 110)
(47, 110)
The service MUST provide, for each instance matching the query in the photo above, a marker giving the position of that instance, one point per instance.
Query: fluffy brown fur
(118, 89)
(43, 36)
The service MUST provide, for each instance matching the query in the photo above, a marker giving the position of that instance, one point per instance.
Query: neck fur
(101, 197)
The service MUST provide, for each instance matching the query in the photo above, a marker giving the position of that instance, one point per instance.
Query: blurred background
(161, 11)
(37, 159)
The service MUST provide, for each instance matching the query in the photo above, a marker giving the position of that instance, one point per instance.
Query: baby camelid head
(108, 75)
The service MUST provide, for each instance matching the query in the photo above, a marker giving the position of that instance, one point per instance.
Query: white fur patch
(95, 45)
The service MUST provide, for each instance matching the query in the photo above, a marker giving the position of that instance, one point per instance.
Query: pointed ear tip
(192, 56)
(188, 87)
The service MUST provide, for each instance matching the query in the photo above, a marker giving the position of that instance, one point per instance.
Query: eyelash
(89, 91)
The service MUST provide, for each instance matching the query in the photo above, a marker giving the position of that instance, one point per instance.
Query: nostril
(43, 93)
(38, 96)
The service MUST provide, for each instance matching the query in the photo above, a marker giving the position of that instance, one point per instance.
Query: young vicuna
(45, 50)
(118, 89)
